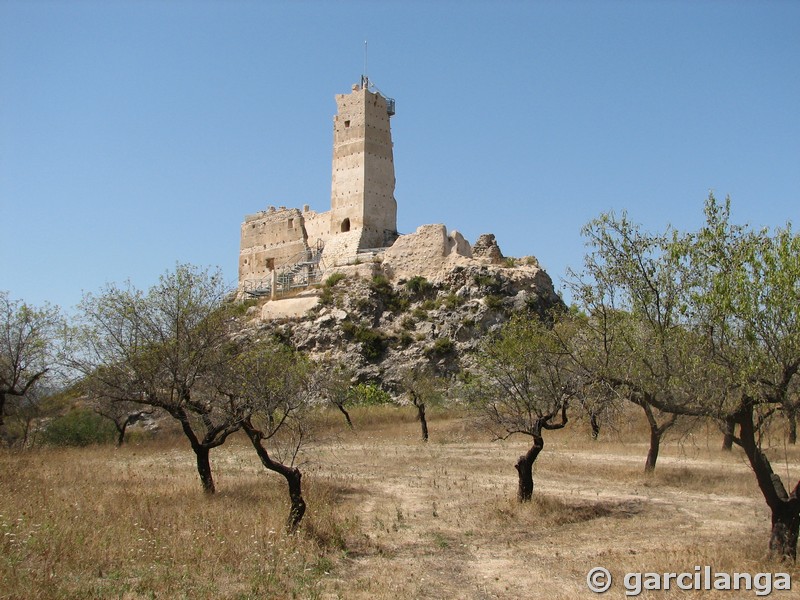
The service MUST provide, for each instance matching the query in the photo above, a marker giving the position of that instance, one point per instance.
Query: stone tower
(362, 187)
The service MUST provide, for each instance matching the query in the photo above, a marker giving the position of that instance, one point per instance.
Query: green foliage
(408, 322)
(494, 302)
(746, 300)
(79, 427)
(420, 314)
(405, 339)
(452, 301)
(363, 305)
(381, 286)
(373, 342)
(525, 377)
(487, 282)
(442, 347)
(419, 286)
(369, 394)
(334, 278)
(510, 262)
(428, 305)
(239, 309)
(383, 289)
(326, 296)
(348, 328)
(28, 345)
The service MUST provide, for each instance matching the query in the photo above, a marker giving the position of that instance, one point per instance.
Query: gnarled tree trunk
(201, 451)
(785, 507)
(346, 415)
(727, 435)
(785, 526)
(292, 475)
(204, 468)
(656, 432)
(652, 451)
(791, 416)
(423, 422)
(524, 467)
(594, 423)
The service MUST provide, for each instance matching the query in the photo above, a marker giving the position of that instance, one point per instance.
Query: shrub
(452, 301)
(349, 328)
(405, 339)
(419, 314)
(494, 302)
(419, 286)
(326, 297)
(382, 287)
(369, 394)
(373, 342)
(363, 305)
(239, 309)
(531, 261)
(487, 282)
(79, 427)
(483, 280)
(440, 348)
(334, 279)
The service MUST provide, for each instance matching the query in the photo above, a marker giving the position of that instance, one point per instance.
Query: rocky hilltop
(428, 300)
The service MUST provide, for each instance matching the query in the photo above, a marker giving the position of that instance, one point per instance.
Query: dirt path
(440, 520)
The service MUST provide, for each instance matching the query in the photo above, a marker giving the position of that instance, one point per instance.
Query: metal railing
(301, 271)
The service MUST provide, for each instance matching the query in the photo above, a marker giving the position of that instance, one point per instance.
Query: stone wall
(318, 226)
(426, 252)
(270, 239)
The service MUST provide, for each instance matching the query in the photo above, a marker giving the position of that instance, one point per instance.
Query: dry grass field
(389, 517)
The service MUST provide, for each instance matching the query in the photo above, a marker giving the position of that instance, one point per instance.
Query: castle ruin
(284, 248)
(363, 215)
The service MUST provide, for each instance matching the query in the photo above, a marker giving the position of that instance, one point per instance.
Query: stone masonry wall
(276, 235)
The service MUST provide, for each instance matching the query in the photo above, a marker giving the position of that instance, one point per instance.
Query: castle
(293, 243)
(284, 248)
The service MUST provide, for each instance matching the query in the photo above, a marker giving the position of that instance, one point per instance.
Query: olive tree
(704, 324)
(423, 389)
(122, 414)
(335, 383)
(29, 340)
(745, 306)
(158, 349)
(268, 388)
(636, 341)
(523, 386)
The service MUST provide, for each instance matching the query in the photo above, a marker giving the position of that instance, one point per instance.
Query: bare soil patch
(389, 517)
(440, 520)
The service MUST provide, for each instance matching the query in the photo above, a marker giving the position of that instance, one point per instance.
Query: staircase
(301, 271)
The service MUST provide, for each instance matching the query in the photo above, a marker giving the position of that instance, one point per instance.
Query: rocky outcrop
(380, 327)
(486, 248)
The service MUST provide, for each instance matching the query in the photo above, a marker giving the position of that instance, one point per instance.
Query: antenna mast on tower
(364, 77)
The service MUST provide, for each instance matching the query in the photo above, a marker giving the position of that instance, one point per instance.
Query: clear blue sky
(134, 135)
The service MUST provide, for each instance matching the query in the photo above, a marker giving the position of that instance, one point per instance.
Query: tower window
(347, 123)
(345, 225)
(290, 223)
